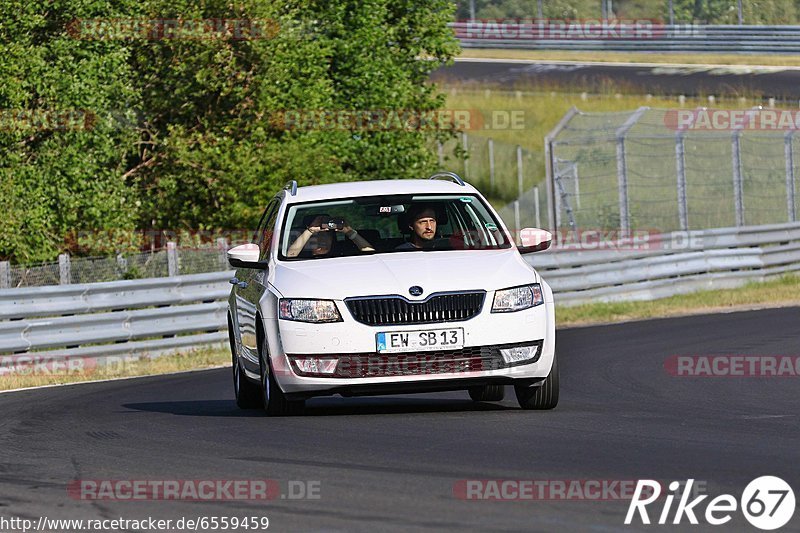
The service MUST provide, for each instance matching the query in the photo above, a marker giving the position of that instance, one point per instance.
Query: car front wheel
(273, 399)
(543, 397)
(248, 395)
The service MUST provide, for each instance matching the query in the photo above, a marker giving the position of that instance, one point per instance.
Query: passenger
(422, 223)
(321, 237)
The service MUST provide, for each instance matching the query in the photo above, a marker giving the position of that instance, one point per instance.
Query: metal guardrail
(151, 316)
(100, 320)
(671, 264)
(113, 295)
(559, 35)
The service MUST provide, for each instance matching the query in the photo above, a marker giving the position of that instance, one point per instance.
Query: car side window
(267, 231)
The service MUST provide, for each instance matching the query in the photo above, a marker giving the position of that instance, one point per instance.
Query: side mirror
(534, 240)
(245, 256)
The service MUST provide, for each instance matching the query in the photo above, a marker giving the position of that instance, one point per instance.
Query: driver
(422, 223)
(321, 238)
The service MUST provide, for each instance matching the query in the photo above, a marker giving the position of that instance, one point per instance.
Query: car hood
(382, 274)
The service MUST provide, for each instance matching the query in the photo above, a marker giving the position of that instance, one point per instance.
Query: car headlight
(309, 310)
(517, 298)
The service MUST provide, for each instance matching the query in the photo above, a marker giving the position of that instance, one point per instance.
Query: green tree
(213, 155)
(60, 179)
(183, 131)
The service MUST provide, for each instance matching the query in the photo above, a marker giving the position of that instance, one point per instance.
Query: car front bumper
(478, 363)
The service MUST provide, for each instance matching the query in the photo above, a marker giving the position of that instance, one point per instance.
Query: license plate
(420, 341)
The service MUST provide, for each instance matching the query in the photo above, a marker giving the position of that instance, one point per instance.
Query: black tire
(542, 397)
(248, 394)
(487, 393)
(273, 400)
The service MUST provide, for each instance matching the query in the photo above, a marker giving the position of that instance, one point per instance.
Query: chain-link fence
(158, 263)
(507, 174)
(673, 169)
(500, 170)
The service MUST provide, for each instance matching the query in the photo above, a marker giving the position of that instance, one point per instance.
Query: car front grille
(396, 310)
(465, 360)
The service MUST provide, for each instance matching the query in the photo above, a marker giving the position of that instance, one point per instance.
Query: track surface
(390, 463)
(689, 80)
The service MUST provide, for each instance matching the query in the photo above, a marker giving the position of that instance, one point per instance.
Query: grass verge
(780, 292)
(682, 58)
(46, 373)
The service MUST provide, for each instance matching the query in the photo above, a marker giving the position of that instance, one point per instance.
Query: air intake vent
(396, 310)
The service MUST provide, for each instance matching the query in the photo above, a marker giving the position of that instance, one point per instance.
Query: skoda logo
(415, 290)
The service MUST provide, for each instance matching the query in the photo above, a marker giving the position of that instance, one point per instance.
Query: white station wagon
(383, 287)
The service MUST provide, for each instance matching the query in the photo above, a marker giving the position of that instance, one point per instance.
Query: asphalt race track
(391, 463)
(689, 80)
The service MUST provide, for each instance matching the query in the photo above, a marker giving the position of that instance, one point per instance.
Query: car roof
(377, 188)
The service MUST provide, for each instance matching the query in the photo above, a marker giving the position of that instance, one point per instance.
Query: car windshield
(389, 224)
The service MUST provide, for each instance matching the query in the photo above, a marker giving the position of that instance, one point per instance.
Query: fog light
(316, 365)
(519, 353)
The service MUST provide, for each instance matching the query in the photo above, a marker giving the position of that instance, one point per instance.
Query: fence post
(122, 263)
(622, 172)
(562, 198)
(222, 245)
(172, 259)
(491, 165)
(5, 275)
(64, 270)
(788, 138)
(549, 161)
(465, 145)
(517, 221)
(519, 171)
(737, 177)
(680, 163)
(440, 154)
(622, 188)
(557, 188)
(536, 206)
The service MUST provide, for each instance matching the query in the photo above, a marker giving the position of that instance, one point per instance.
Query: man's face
(424, 226)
